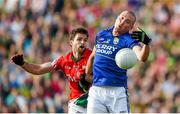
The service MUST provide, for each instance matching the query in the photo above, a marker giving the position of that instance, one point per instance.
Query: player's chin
(81, 49)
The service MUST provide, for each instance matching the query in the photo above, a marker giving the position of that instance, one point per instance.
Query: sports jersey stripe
(105, 56)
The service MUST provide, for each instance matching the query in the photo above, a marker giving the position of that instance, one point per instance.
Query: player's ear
(71, 42)
(132, 27)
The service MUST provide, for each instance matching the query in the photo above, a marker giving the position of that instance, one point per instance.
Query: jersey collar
(78, 59)
(110, 29)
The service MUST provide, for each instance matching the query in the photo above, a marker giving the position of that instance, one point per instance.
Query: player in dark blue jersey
(108, 93)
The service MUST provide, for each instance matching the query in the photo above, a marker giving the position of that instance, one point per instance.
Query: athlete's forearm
(37, 69)
(144, 53)
(89, 66)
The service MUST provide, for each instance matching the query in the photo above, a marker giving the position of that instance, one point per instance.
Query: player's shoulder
(62, 59)
(105, 31)
(126, 36)
(87, 52)
(67, 56)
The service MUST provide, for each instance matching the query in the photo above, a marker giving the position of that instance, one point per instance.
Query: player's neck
(116, 33)
(76, 55)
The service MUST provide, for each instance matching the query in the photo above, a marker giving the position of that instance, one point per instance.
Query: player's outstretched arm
(89, 66)
(141, 52)
(37, 69)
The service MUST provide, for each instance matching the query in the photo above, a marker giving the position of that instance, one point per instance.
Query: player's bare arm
(89, 66)
(36, 69)
(142, 53)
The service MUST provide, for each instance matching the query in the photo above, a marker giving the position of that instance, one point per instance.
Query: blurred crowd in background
(39, 29)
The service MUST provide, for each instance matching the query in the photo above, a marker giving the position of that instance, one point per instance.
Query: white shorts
(73, 108)
(105, 99)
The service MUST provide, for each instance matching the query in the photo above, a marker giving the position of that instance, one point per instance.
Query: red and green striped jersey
(73, 69)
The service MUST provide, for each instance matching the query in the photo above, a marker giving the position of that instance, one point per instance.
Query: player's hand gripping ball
(126, 58)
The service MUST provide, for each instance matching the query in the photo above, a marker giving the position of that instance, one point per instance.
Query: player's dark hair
(77, 30)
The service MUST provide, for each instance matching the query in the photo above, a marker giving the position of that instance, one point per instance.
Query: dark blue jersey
(105, 70)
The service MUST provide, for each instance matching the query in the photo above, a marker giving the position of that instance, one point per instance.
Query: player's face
(79, 42)
(124, 22)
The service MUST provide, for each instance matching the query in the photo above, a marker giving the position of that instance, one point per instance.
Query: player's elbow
(143, 59)
(39, 71)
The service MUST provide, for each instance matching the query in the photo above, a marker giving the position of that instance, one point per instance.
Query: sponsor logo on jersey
(75, 66)
(67, 67)
(106, 49)
(71, 78)
(103, 40)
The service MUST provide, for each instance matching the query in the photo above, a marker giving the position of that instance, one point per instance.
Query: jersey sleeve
(57, 63)
(130, 42)
(99, 35)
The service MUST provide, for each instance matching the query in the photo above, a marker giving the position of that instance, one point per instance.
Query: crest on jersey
(116, 40)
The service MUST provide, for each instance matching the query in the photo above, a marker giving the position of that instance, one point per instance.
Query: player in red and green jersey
(72, 64)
